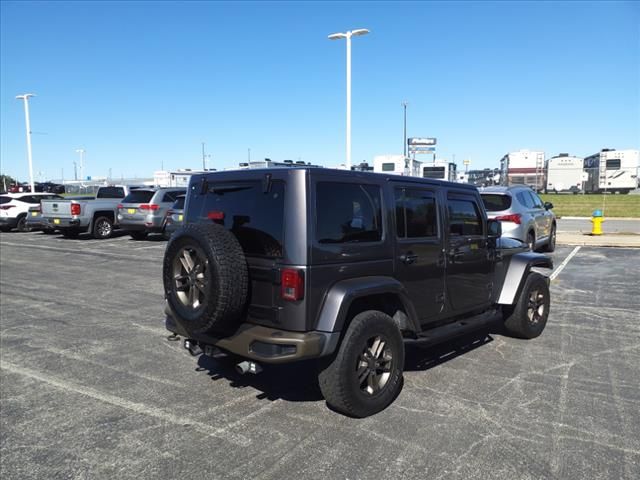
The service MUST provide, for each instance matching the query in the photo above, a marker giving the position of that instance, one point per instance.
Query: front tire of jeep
(365, 375)
(528, 317)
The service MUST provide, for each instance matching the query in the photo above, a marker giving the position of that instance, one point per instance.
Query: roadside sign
(421, 141)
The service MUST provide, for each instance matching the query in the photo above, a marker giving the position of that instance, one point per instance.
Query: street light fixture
(25, 97)
(337, 36)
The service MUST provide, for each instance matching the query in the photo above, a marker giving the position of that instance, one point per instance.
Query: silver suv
(143, 211)
(523, 215)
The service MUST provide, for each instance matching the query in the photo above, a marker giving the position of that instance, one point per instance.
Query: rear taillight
(6, 207)
(75, 209)
(119, 207)
(149, 206)
(292, 284)
(514, 217)
(215, 215)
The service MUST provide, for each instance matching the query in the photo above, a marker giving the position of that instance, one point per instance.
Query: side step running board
(455, 329)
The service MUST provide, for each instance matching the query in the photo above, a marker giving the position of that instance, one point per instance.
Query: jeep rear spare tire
(205, 278)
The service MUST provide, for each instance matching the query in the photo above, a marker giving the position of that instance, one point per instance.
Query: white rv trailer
(613, 171)
(565, 174)
(440, 169)
(395, 165)
(524, 167)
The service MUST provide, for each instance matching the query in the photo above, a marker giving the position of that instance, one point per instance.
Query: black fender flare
(518, 269)
(336, 304)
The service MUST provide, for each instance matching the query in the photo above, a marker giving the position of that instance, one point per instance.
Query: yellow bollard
(597, 220)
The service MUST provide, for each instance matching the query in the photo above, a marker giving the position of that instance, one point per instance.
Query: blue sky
(141, 85)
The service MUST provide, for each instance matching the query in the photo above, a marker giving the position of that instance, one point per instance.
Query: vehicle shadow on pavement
(295, 382)
(86, 236)
(298, 382)
(419, 357)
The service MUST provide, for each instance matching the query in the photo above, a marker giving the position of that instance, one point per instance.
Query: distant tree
(5, 181)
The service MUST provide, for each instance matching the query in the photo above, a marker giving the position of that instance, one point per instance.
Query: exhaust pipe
(193, 347)
(248, 367)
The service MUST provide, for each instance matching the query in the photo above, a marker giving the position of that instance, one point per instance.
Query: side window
(348, 213)
(464, 217)
(416, 214)
(524, 199)
(169, 197)
(537, 202)
(388, 167)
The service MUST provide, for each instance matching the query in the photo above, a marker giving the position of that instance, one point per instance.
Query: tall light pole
(404, 105)
(348, 35)
(81, 151)
(25, 97)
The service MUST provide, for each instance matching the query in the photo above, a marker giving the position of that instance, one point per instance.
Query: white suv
(14, 208)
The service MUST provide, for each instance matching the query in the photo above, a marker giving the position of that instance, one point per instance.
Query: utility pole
(249, 155)
(25, 97)
(404, 142)
(75, 171)
(81, 152)
(204, 167)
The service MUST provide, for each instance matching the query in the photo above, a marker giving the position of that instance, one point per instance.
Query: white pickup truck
(96, 216)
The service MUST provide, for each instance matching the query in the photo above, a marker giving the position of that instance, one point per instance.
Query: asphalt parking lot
(91, 388)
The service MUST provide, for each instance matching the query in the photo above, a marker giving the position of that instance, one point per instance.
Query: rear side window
(464, 218)
(171, 196)
(179, 203)
(496, 203)
(111, 192)
(416, 215)
(4, 200)
(139, 196)
(254, 216)
(525, 199)
(348, 213)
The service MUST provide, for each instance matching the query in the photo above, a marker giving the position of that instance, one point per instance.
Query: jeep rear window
(496, 203)
(348, 213)
(139, 196)
(254, 216)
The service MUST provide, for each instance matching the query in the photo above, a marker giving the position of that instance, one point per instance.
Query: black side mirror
(548, 205)
(494, 228)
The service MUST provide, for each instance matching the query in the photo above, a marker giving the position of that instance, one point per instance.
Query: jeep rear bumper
(264, 344)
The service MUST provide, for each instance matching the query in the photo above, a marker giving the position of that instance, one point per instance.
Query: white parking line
(557, 271)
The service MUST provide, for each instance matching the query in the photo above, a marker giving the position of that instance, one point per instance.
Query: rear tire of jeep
(205, 278)
(529, 316)
(138, 235)
(102, 228)
(365, 375)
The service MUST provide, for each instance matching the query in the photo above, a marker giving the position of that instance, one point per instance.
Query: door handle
(408, 258)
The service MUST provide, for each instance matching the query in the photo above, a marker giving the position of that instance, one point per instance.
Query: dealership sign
(417, 141)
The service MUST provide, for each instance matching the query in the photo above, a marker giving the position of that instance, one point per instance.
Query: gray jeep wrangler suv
(284, 264)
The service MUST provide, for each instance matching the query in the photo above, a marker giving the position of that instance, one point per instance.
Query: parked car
(144, 211)
(523, 214)
(14, 208)
(34, 220)
(175, 216)
(344, 267)
(96, 215)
